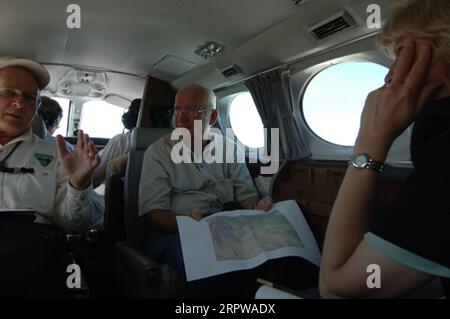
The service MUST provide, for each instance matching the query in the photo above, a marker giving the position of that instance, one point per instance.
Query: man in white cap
(34, 173)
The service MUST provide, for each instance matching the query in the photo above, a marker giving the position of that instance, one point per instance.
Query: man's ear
(213, 118)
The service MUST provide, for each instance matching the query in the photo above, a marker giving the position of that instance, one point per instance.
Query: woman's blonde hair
(418, 18)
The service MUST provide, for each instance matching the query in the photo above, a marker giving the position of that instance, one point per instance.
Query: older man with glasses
(192, 188)
(35, 174)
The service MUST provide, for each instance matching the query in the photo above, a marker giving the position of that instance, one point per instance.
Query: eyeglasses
(189, 112)
(31, 99)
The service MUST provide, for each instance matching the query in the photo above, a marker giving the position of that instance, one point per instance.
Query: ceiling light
(300, 2)
(210, 50)
(82, 84)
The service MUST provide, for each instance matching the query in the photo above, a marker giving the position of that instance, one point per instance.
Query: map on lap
(243, 239)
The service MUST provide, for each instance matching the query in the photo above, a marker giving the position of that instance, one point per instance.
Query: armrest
(138, 266)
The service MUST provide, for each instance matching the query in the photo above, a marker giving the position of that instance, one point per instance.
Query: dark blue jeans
(291, 272)
(165, 248)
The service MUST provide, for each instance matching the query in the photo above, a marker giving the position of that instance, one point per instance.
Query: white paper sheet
(243, 239)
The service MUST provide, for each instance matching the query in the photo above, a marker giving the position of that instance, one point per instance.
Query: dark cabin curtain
(272, 95)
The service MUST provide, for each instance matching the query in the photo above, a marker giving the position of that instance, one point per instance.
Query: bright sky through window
(334, 99)
(246, 122)
(101, 119)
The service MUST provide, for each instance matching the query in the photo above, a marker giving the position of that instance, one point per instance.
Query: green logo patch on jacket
(44, 159)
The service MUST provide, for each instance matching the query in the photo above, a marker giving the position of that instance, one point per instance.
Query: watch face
(360, 160)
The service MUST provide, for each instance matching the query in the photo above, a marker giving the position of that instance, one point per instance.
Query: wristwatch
(364, 161)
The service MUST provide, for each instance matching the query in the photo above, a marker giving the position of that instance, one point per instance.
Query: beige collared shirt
(117, 146)
(185, 186)
(47, 190)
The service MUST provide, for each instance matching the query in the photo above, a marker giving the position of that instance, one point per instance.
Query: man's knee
(165, 248)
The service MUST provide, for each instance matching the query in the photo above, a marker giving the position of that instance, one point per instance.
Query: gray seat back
(141, 139)
(38, 127)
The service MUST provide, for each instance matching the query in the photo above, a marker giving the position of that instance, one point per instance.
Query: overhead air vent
(173, 65)
(332, 25)
(232, 70)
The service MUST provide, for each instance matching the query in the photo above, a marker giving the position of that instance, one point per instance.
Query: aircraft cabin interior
(309, 63)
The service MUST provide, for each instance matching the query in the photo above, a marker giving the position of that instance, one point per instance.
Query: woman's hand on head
(390, 109)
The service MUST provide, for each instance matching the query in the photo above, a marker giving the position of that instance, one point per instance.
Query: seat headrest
(38, 127)
(143, 137)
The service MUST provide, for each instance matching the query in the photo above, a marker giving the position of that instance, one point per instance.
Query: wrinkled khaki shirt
(185, 186)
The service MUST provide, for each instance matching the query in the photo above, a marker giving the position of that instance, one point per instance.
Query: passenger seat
(139, 276)
(38, 127)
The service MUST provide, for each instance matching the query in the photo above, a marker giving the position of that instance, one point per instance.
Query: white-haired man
(194, 188)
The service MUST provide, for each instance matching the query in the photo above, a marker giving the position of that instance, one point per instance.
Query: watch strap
(372, 164)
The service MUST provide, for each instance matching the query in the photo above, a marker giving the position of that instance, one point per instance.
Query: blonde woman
(409, 239)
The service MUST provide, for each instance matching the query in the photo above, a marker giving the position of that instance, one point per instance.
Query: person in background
(119, 146)
(51, 113)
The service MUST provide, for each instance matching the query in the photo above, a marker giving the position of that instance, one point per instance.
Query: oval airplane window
(101, 119)
(246, 122)
(334, 99)
(63, 124)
